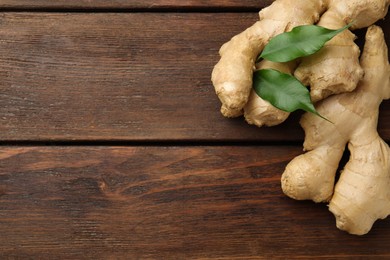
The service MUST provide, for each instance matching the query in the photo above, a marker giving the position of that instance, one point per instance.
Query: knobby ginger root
(361, 13)
(260, 112)
(335, 68)
(362, 194)
(232, 76)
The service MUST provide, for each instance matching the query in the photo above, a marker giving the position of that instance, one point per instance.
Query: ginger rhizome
(336, 69)
(347, 91)
(259, 111)
(232, 76)
(362, 194)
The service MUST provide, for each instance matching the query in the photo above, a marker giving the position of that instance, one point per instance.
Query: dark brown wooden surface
(134, 4)
(164, 203)
(112, 145)
(99, 76)
(85, 76)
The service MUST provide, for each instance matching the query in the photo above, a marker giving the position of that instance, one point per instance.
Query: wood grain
(164, 203)
(134, 4)
(138, 72)
(98, 76)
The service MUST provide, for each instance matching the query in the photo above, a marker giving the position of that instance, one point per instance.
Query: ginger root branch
(362, 194)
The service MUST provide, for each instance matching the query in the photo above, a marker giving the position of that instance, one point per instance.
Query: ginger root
(260, 112)
(232, 75)
(335, 68)
(362, 194)
(348, 92)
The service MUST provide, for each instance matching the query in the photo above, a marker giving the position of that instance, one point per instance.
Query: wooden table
(113, 147)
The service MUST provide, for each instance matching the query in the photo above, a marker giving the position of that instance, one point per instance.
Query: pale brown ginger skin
(335, 68)
(362, 13)
(232, 76)
(258, 111)
(362, 194)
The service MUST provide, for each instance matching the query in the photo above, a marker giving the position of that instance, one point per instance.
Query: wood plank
(107, 79)
(85, 76)
(164, 203)
(134, 4)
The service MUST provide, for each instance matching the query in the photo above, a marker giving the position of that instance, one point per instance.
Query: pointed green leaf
(299, 42)
(283, 91)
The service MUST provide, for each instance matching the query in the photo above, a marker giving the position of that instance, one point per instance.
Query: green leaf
(283, 91)
(299, 42)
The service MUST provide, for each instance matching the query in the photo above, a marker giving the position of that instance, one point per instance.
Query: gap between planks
(155, 143)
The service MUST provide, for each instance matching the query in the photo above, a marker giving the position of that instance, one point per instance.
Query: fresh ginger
(260, 112)
(348, 93)
(232, 75)
(362, 194)
(335, 68)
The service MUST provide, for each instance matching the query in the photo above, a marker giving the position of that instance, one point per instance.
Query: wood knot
(102, 185)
